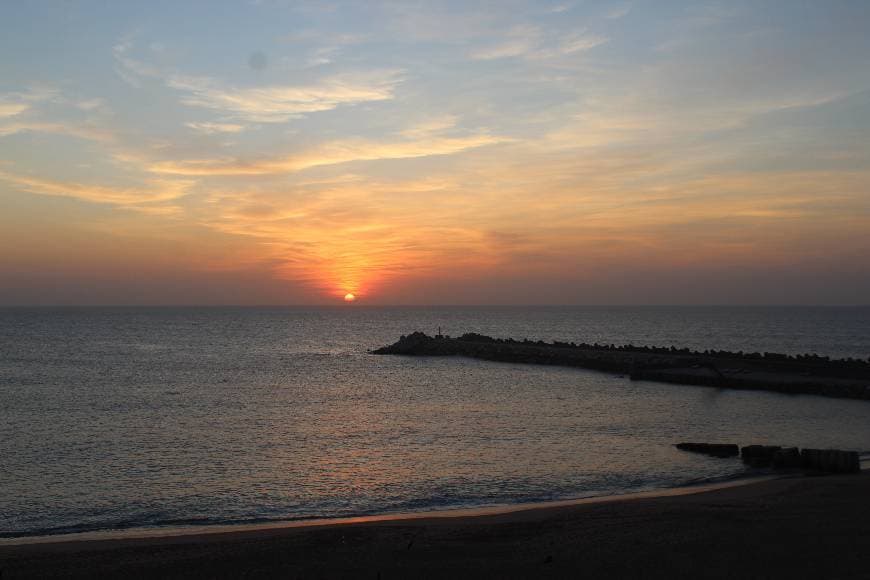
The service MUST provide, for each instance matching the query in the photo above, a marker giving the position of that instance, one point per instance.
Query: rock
(787, 458)
(714, 449)
(814, 459)
(853, 462)
(759, 455)
(772, 372)
(828, 461)
(831, 460)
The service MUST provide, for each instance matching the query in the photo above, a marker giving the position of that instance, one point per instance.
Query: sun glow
(349, 297)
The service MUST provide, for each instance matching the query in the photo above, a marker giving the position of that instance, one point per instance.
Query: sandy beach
(793, 527)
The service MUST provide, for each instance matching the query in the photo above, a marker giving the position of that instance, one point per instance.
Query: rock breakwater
(802, 374)
(823, 460)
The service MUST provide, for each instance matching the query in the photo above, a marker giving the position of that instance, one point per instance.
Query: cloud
(521, 41)
(529, 211)
(353, 236)
(322, 56)
(323, 46)
(158, 190)
(618, 12)
(278, 104)
(431, 126)
(10, 109)
(13, 104)
(79, 131)
(327, 154)
(511, 48)
(129, 69)
(580, 42)
(331, 47)
(90, 104)
(559, 8)
(265, 104)
(530, 43)
(21, 112)
(212, 128)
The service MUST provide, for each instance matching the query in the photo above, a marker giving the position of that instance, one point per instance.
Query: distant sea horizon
(362, 304)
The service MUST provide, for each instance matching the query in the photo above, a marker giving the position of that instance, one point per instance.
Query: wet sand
(796, 527)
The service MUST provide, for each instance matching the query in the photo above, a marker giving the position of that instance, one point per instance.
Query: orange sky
(550, 153)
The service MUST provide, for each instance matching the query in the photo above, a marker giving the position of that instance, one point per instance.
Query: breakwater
(823, 460)
(801, 374)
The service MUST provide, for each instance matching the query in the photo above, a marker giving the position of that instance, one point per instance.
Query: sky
(542, 152)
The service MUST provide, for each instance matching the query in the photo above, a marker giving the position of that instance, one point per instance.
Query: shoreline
(169, 532)
(776, 528)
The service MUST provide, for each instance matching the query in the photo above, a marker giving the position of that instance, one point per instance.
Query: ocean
(129, 418)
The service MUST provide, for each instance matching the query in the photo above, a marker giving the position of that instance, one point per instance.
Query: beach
(790, 527)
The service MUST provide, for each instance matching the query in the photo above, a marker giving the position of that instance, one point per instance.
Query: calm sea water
(114, 418)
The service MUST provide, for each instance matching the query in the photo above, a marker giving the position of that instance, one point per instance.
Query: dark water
(123, 418)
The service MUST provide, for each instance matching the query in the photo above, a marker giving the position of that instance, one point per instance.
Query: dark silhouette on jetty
(802, 374)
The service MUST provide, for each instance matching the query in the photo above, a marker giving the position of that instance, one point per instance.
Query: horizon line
(358, 305)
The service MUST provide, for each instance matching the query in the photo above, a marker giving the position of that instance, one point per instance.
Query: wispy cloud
(530, 43)
(353, 236)
(431, 126)
(11, 108)
(47, 110)
(278, 104)
(334, 153)
(157, 190)
(320, 46)
(618, 12)
(580, 42)
(265, 104)
(16, 103)
(70, 129)
(130, 69)
(212, 128)
(519, 41)
(91, 104)
(322, 56)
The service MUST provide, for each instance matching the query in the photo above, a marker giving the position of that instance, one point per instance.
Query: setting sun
(349, 297)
